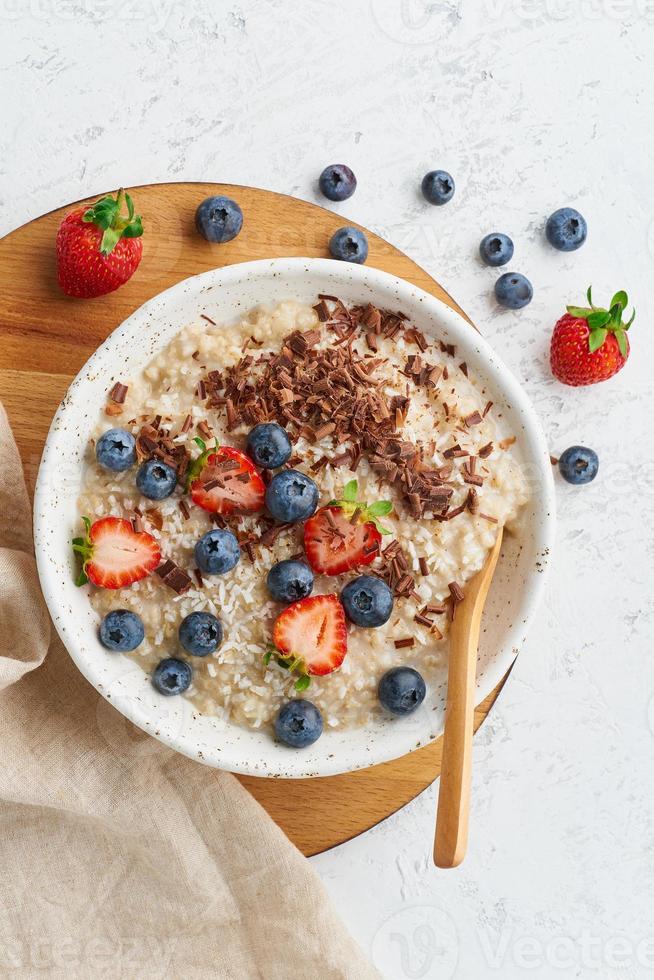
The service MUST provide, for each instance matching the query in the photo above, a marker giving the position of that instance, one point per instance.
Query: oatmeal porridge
(376, 412)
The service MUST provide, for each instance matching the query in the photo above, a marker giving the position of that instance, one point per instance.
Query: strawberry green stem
(106, 214)
(601, 322)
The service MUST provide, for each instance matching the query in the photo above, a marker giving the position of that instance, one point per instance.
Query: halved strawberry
(346, 534)
(224, 480)
(114, 554)
(311, 635)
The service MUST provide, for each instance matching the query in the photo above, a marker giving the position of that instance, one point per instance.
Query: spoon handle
(451, 837)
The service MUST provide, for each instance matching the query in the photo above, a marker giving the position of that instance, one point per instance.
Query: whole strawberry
(98, 248)
(590, 344)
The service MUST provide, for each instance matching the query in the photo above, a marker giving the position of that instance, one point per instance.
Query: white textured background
(530, 105)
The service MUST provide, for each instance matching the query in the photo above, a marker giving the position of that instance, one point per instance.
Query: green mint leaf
(379, 508)
(621, 338)
(598, 319)
(596, 339)
(302, 683)
(620, 299)
(350, 491)
(578, 311)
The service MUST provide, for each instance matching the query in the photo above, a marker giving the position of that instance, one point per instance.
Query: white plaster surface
(530, 105)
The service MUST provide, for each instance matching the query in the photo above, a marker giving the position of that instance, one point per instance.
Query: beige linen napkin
(118, 857)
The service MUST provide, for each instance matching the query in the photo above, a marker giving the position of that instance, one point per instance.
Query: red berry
(225, 481)
(590, 344)
(334, 545)
(98, 248)
(114, 554)
(313, 632)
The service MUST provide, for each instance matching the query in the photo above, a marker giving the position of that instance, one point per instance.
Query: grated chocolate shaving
(174, 577)
(118, 393)
(404, 643)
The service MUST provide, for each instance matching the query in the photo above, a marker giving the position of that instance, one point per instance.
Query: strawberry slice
(224, 480)
(346, 534)
(114, 554)
(311, 635)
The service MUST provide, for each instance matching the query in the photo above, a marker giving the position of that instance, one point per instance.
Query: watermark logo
(417, 943)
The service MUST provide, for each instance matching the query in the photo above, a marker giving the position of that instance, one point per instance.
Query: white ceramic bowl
(223, 294)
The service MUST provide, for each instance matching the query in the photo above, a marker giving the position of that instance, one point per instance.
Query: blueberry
(566, 229)
(368, 601)
(121, 630)
(219, 219)
(513, 290)
(172, 676)
(269, 445)
(155, 479)
(298, 723)
(438, 187)
(579, 465)
(217, 552)
(116, 450)
(401, 690)
(337, 182)
(496, 248)
(292, 497)
(289, 581)
(349, 245)
(200, 633)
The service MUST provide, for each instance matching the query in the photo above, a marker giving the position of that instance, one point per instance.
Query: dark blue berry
(116, 450)
(217, 552)
(200, 633)
(496, 249)
(121, 630)
(349, 245)
(269, 445)
(155, 479)
(289, 581)
(367, 601)
(579, 465)
(513, 290)
(219, 219)
(172, 676)
(438, 187)
(566, 229)
(337, 182)
(298, 723)
(401, 690)
(291, 497)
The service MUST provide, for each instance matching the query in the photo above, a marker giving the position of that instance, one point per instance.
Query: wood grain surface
(45, 338)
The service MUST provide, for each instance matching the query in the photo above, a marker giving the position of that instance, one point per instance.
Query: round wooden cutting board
(47, 337)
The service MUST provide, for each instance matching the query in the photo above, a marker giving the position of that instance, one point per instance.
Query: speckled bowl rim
(123, 683)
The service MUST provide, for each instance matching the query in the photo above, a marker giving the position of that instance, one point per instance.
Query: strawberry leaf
(197, 465)
(630, 321)
(350, 492)
(620, 299)
(302, 683)
(379, 508)
(621, 338)
(82, 548)
(589, 296)
(598, 319)
(106, 214)
(581, 311)
(380, 527)
(267, 657)
(596, 338)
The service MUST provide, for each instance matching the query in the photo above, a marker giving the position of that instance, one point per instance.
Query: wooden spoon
(451, 838)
